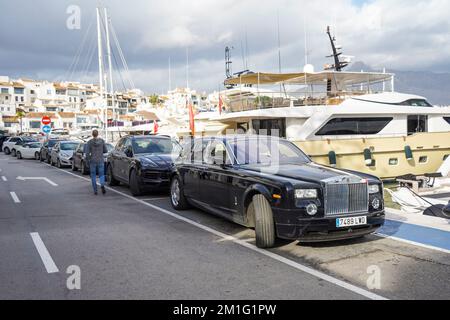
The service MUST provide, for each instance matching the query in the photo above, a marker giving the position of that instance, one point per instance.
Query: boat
(348, 120)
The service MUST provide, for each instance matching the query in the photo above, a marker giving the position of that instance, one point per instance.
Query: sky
(36, 42)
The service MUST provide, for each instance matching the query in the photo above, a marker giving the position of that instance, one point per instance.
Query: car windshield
(69, 146)
(52, 143)
(109, 147)
(155, 146)
(267, 151)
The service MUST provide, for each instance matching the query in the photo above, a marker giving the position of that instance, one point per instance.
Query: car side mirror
(129, 152)
(446, 210)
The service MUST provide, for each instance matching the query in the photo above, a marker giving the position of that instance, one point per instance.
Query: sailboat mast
(111, 85)
(100, 69)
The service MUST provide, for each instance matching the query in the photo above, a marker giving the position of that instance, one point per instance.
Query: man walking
(96, 148)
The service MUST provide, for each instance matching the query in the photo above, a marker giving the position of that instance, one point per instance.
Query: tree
(154, 99)
(20, 114)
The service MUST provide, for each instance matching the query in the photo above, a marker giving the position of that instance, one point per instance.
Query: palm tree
(20, 114)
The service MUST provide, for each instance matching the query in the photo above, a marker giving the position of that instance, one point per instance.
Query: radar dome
(309, 68)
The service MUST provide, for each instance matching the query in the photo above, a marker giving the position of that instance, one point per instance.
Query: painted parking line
(252, 247)
(46, 258)
(155, 199)
(4, 179)
(421, 236)
(15, 197)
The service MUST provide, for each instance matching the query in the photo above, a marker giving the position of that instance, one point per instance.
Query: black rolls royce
(269, 184)
(145, 163)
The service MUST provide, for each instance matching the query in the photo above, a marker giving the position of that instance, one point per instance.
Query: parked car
(29, 151)
(62, 153)
(79, 161)
(3, 139)
(269, 184)
(145, 163)
(10, 146)
(46, 150)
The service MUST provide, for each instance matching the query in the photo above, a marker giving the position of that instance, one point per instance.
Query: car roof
(149, 136)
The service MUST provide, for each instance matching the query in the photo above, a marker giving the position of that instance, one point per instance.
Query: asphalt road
(139, 248)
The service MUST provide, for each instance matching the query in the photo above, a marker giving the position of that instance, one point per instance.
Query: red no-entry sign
(46, 120)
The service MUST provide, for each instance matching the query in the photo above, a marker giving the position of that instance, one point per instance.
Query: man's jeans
(100, 169)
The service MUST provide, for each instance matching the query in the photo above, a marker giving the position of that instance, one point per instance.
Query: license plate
(351, 222)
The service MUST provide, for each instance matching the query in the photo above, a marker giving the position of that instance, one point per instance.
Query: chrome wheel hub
(175, 192)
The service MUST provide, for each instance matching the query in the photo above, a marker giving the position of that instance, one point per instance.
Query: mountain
(434, 86)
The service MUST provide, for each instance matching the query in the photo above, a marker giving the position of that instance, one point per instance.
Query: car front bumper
(65, 161)
(151, 179)
(323, 228)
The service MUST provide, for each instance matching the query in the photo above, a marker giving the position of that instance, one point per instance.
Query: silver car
(62, 153)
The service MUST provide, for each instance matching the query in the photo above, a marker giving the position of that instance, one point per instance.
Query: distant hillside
(434, 86)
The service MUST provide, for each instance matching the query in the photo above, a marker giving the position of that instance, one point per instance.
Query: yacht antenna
(338, 65)
(279, 42)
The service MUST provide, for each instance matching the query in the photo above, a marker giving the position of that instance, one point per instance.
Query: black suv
(144, 163)
(3, 139)
(46, 150)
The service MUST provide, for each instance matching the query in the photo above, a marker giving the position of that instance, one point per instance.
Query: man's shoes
(96, 193)
(103, 190)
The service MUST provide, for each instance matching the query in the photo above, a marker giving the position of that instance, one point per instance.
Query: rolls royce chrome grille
(346, 198)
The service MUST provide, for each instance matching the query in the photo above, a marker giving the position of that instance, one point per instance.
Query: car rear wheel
(177, 198)
(7, 151)
(49, 160)
(264, 224)
(58, 163)
(41, 158)
(19, 155)
(84, 169)
(112, 182)
(135, 188)
(14, 153)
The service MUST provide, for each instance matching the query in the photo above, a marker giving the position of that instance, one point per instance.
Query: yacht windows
(393, 161)
(354, 126)
(276, 127)
(423, 159)
(417, 123)
(416, 103)
(447, 119)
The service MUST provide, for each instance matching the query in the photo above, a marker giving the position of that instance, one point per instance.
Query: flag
(220, 104)
(155, 127)
(191, 118)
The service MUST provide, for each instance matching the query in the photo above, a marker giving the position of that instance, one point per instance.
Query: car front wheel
(177, 198)
(84, 170)
(264, 224)
(19, 155)
(135, 188)
(49, 160)
(7, 151)
(74, 168)
(37, 156)
(13, 153)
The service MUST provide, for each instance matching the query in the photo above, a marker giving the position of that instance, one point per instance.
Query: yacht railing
(246, 101)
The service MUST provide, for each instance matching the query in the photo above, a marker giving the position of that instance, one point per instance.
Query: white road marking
(49, 264)
(4, 178)
(15, 197)
(38, 178)
(293, 264)
(413, 243)
(154, 199)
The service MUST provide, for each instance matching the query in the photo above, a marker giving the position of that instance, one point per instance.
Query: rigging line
(119, 71)
(119, 48)
(91, 53)
(80, 50)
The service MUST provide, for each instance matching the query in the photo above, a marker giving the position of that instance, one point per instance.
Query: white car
(11, 145)
(30, 150)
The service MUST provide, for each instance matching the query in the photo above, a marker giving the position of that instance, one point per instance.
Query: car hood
(309, 172)
(68, 152)
(162, 160)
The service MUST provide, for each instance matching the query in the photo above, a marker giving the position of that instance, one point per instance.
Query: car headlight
(306, 194)
(374, 188)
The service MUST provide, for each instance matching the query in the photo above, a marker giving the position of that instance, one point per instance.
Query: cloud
(397, 34)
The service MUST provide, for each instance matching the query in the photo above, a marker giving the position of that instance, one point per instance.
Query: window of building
(423, 159)
(32, 92)
(354, 126)
(35, 124)
(417, 123)
(19, 90)
(17, 99)
(22, 99)
(49, 92)
(5, 91)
